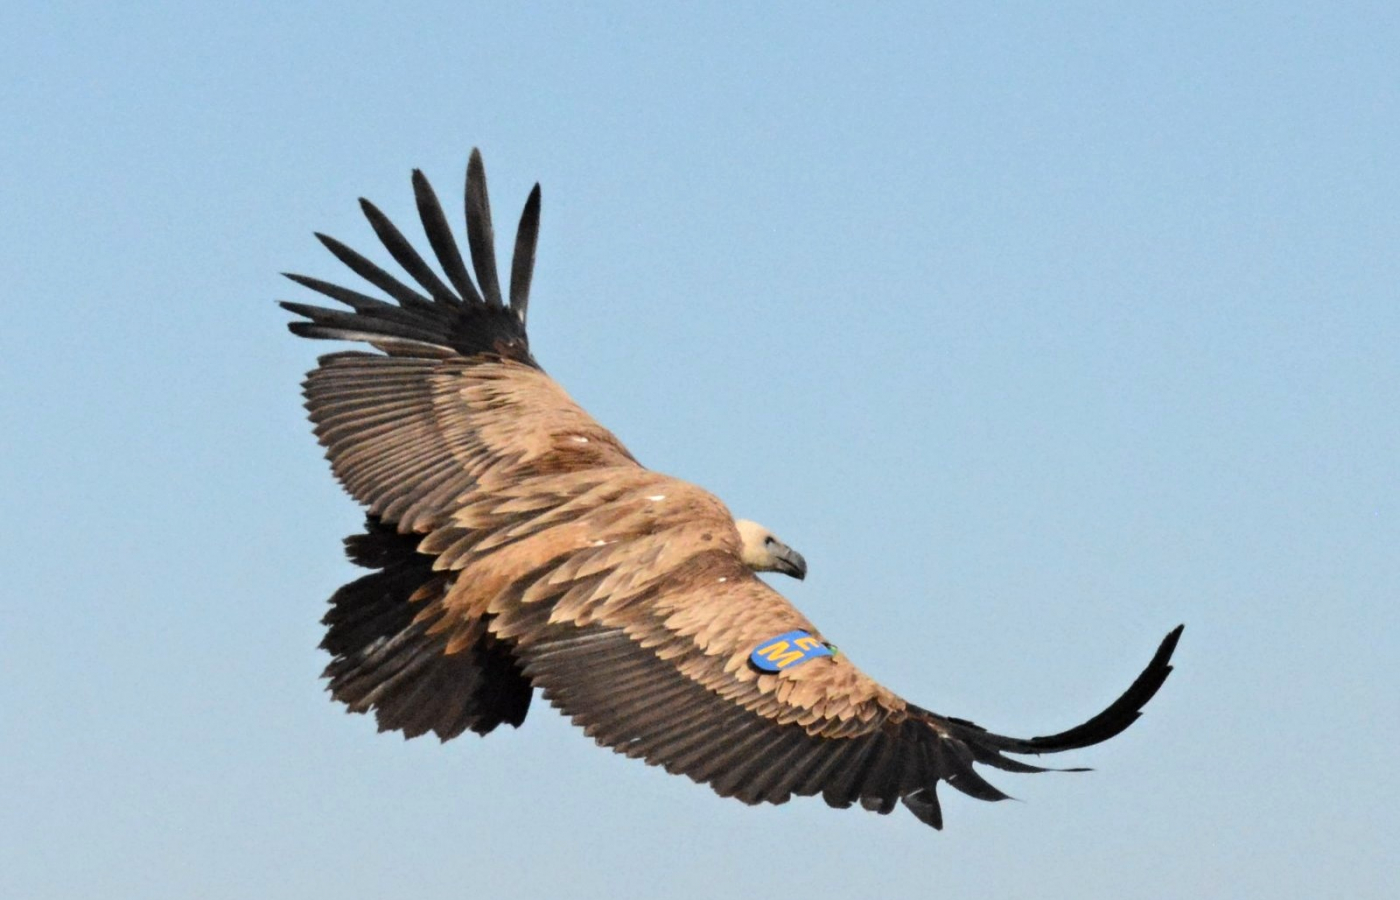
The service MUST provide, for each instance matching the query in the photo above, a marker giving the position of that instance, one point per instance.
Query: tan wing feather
(417, 440)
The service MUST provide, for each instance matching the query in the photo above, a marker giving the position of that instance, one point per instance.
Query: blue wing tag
(788, 650)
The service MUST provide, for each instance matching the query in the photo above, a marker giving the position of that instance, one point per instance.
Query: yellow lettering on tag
(788, 659)
(773, 651)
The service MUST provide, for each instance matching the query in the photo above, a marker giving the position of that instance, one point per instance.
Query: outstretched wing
(455, 404)
(664, 672)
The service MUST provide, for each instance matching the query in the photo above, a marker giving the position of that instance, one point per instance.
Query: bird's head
(763, 552)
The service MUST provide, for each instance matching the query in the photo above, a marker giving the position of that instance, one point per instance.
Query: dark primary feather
(1122, 712)
(1113, 720)
(407, 297)
(479, 235)
(440, 236)
(404, 254)
(522, 266)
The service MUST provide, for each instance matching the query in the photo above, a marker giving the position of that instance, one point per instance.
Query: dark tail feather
(385, 661)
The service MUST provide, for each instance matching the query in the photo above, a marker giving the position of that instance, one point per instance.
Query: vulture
(515, 544)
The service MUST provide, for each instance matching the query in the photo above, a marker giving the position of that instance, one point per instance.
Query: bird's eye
(769, 541)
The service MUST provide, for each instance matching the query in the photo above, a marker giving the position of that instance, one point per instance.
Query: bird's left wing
(681, 672)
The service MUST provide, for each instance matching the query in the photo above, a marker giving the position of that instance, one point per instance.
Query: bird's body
(517, 545)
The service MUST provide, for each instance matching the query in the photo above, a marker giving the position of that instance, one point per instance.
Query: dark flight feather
(404, 254)
(522, 268)
(440, 236)
(407, 297)
(480, 237)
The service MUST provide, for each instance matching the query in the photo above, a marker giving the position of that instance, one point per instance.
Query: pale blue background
(1037, 332)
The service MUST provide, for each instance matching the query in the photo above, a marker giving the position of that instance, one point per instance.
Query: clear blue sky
(1037, 332)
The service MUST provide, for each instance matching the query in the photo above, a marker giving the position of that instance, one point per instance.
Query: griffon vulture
(516, 545)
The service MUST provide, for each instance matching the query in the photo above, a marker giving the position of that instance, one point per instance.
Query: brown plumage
(516, 544)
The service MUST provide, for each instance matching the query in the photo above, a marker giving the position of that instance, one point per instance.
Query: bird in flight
(514, 543)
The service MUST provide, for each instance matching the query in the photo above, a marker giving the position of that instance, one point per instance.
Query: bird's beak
(789, 562)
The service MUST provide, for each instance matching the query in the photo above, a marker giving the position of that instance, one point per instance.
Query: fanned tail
(387, 661)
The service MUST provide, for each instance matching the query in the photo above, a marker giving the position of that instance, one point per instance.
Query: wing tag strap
(788, 650)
